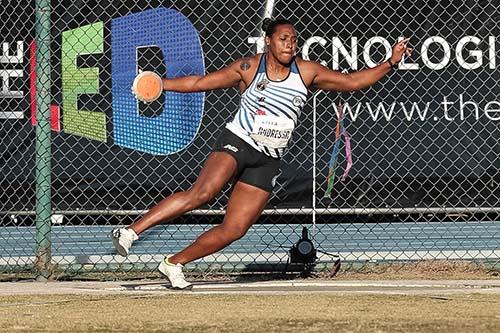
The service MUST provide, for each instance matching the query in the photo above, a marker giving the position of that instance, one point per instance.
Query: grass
(414, 270)
(243, 313)
(304, 312)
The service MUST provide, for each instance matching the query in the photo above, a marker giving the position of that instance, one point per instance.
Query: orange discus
(147, 86)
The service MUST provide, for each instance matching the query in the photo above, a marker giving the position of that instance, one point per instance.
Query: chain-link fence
(424, 141)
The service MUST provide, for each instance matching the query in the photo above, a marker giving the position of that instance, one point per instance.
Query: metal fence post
(43, 141)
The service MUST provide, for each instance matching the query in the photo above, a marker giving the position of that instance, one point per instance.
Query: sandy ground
(282, 287)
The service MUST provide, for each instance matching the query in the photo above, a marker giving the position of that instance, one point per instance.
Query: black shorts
(254, 168)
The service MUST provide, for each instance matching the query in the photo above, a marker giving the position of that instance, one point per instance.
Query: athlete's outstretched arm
(227, 77)
(326, 79)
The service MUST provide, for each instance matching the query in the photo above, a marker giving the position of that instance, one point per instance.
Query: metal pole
(315, 105)
(284, 211)
(43, 140)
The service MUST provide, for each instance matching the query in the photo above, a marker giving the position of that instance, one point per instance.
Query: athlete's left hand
(399, 50)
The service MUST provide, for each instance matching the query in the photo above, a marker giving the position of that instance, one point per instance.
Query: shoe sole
(190, 287)
(119, 249)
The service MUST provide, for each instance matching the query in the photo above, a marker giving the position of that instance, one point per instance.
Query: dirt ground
(250, 313)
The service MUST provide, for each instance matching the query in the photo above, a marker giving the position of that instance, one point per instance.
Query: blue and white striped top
(284, 98)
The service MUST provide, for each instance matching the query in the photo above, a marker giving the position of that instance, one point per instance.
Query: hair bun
(266, 23)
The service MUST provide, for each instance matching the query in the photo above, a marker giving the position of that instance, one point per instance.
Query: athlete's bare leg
(244, 208)
(217, 171)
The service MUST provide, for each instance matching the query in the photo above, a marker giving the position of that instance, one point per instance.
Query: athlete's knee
(200, 195)
(235, 232)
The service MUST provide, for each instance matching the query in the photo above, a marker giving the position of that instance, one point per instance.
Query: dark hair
(269, 25)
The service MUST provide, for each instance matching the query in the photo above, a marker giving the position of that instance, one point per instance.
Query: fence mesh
(424, 140)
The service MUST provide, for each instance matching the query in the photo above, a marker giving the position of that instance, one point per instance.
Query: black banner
(424, 136)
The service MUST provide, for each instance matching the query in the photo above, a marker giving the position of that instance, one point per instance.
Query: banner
(424, 136)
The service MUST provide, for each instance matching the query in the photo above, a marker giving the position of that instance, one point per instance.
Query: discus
(147, 86)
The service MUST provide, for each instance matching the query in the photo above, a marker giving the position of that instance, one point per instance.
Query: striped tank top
(278, 99)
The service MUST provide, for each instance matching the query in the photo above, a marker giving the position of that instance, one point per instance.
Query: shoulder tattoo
(245, 64)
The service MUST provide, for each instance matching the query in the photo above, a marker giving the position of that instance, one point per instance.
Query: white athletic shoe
(174, 274)
(123, 239)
